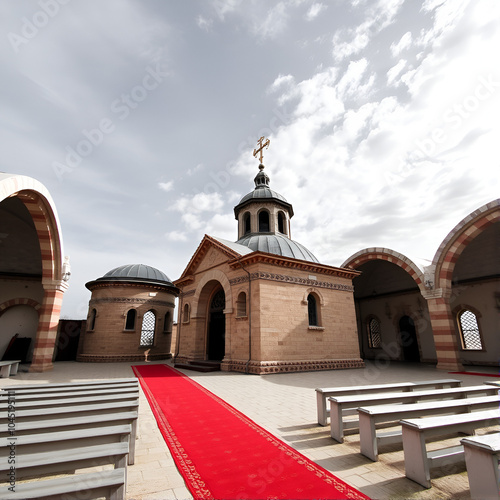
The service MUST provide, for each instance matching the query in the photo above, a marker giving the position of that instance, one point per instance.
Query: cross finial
(263, 143)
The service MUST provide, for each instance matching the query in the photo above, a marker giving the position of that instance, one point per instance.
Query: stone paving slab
(285, 405)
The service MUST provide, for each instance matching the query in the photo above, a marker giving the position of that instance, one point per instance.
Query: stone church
(264, 304)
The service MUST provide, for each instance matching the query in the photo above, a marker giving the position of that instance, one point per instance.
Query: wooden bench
(418, 461)
(344, 405)
(79, 415)
(39, 463)
(481, 458)
(81, 385)
(8, 368)
(323, 394)
(370, 417)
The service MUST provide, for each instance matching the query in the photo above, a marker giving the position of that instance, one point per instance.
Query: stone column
(443, 328)
(47, 325)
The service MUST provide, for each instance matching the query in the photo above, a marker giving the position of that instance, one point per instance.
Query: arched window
(241, 305)
(148, 329)
(264, 221)
(281, 223)
(130, 321)
(374, 333)
(92, 317)
(167, 322)
(185, 314)
(246, 223)
(312, 310)
(469, 330)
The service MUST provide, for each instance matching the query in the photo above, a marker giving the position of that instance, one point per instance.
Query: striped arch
(213, 275)
(457, 240)
(370, 254)
(41, 207)
(20, 302)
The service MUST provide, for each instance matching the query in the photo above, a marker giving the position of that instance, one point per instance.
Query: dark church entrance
(217, 327)
(409, 341)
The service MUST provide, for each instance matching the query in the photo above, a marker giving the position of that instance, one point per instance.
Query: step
(198, 367)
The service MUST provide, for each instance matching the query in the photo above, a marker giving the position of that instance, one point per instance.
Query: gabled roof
(232, 250)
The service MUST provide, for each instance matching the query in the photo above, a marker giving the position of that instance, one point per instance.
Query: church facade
(264, 304)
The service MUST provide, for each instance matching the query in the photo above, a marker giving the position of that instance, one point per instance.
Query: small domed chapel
(264, 304)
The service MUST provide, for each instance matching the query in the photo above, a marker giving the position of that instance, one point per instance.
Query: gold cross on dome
(263, 144)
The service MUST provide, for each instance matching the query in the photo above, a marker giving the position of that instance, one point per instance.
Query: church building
(264, 304)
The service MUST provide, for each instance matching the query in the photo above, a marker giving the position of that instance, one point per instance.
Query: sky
(140, 117)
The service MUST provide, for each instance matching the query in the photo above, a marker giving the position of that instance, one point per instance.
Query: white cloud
(403, 44)
(201, 202)
(204, 23)
(395, 71)
(166, 186)
(177, 236)
(315, 10)
(274, 23)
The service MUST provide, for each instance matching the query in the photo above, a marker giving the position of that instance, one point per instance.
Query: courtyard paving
(285, 405)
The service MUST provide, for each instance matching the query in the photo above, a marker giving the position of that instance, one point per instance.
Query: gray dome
(262, 192)
(139, 273)
(277, 245)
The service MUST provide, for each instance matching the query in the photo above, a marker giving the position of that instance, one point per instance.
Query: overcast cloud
(140, 117)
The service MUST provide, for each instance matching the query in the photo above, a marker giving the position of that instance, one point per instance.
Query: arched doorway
(409, 341)
(216, 326)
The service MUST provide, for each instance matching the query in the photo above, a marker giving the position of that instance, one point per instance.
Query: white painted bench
(8, 368)
(20, 396)
(80, 414)
(371, 416)
(343, 405)
(107, 483)
(42, 463)
(481, 458)
(322, 394)
(80, 385)
(418, 461)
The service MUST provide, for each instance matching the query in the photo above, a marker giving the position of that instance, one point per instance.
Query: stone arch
(386, 254)
(199, 304)
(457, 240)
(316, 292)
(20, 302)
(40, 206)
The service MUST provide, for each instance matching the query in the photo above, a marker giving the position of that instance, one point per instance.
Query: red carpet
(476, 373)
(224, 455)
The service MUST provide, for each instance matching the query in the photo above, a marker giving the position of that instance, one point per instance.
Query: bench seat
(339, 406)
(8, 368)
(482, 455)
(109, 483)
(418, 461)
(75, 384)
(322, 394)
(369, 417)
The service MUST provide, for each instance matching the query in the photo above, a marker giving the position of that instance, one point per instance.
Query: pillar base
(450, 366)
(41, 367)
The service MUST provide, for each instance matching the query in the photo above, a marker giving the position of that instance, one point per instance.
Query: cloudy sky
(140, 117)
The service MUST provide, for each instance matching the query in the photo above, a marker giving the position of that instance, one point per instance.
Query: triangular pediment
(210, 253)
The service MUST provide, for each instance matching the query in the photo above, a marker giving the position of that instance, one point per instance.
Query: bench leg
(321, 403)
(5, 371)
(482, 469)
(133, 437)
(14, 368)
(336, 423)
(416, 463)
(368, 437)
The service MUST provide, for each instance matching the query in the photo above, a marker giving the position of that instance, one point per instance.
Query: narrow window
(312, 310)
(241, 305)
(185, 315)
(374, 337)
(130, 322)
(246, 222)
(92, 317)
(469, 330)
(281, 223)
(148, 329)
(264, 222)
(167, 325)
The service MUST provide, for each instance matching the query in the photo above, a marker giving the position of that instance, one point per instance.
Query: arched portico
(29, 216)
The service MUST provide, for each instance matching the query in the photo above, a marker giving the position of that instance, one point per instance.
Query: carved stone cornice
(126, 300)
(292, 280)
